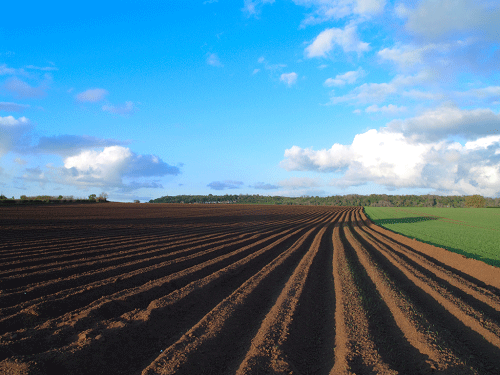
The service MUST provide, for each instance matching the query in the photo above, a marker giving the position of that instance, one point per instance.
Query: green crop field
(473, 232)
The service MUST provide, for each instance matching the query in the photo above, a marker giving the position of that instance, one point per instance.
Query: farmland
(234, 289)
(474, 233)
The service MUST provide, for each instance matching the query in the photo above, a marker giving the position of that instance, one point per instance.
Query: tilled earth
(227, 289)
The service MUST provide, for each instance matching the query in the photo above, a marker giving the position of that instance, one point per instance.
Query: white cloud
(348, 77)
(390, 159)
(66, 145)
(378, 92)
(346, 38)
(327, 10)
(433, 54)
(388, 109)
(289, 78)
(253, 7)
(423, 95)
(109, 166)
(299, 159)
(5, 70)
(13, 107)
(221, 185)
(124, 110)
(368, 93)
(213, 59)
(92, 95)
(272, 67)
(264, 186)
(404, 56)
(21, 89)
(14, 134)
(12, 121)
(437, 18)
(481, 93)
(448, 120)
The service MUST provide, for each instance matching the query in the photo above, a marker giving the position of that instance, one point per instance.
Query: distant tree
(475, 201)
(92, 197)
(3, 197)
(137, 201)
(60, 197)
(103, 196)
(24, 197)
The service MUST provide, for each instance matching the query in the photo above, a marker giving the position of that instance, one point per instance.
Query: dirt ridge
(229, 289)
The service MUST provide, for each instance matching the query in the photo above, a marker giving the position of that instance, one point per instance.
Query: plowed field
(227, 289)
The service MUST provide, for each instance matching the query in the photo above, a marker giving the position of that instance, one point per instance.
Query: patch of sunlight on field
(473, 232)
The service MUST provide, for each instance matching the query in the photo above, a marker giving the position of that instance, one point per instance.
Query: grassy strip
(472, 232)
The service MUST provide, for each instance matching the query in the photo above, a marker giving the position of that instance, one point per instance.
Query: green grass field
(473, 232)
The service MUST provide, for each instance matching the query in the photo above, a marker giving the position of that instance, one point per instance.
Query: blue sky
(302, 97)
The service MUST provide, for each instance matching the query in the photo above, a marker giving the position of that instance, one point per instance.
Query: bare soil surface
(228, 289)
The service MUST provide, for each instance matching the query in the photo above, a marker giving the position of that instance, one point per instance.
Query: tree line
(373, 200)
(37, 199)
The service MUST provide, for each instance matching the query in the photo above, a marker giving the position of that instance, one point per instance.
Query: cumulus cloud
(92, 95)
(448, 120)
(228, 184)
(326, 10)
(346, 38)
(213, 59)
(108, 167)
(124, 110)
(35, 175)
(13, 107)
(289, 78)
(437, 18)
(66, 145)
(14, 134)
(392, 160)
(336, 158)
(346, 78)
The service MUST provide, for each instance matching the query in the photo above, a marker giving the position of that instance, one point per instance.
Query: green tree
(475, 201)
(92, 197)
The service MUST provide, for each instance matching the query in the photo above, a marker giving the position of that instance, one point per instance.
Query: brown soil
(228, 289)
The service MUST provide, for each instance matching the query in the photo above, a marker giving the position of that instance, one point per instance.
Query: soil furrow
(267, 351)
(49, 306)
(126, 253)
(476, 272)
(442, 311)
(164, 288)
(120, 303)
(223, 332)
(157, 320)
(412, 350)
(472, 300)
(355, 349)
